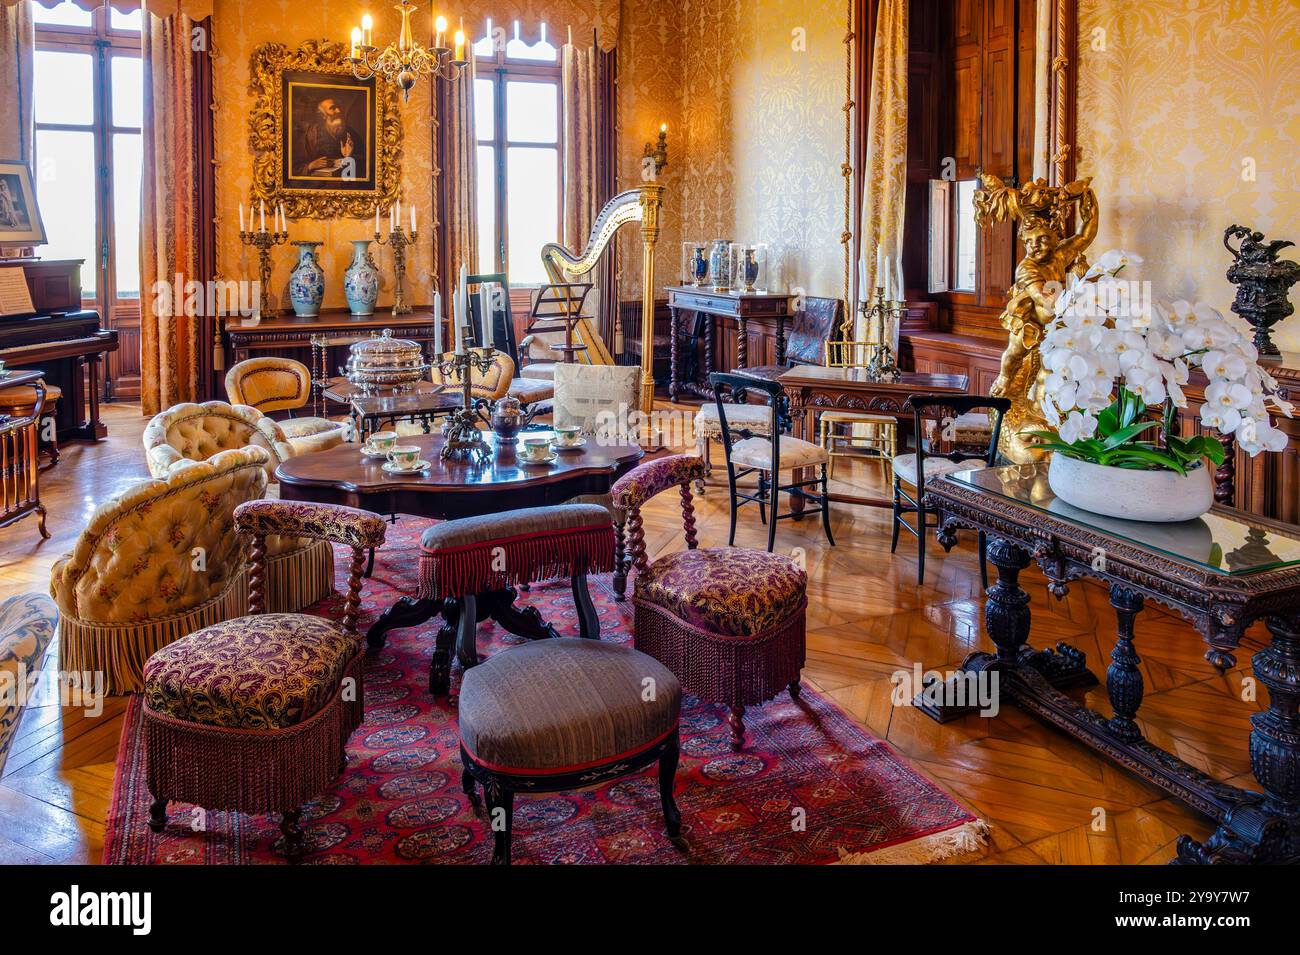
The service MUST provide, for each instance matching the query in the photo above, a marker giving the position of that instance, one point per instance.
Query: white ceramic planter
(1157, 496)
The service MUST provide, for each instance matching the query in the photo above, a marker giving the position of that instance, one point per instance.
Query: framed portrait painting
(20, 218)
(325, 143)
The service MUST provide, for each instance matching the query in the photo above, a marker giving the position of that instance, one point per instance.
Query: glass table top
(1231, 544)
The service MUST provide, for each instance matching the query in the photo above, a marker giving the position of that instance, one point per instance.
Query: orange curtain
(885, 173)
(194, 9)
(17, 45)
(170, 343)
(460, 175)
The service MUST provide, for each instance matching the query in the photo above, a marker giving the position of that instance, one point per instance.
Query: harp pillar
(651, 204)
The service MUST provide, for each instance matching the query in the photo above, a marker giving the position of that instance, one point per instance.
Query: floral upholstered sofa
(26, 626)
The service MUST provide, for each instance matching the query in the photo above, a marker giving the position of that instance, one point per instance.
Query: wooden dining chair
(767, 455)
(942, 447)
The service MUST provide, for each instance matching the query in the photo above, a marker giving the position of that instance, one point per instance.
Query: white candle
(902, 288)
(376, 218)
(412, 220)
(882, 278)
(397, 215)
(437, 324)
(284, 222)
(241, 217)
(485, 314)
(880, 265)
(263, 213)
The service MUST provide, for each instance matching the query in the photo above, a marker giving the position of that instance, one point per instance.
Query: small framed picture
(20, 219)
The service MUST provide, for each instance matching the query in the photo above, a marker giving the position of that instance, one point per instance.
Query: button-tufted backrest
(195, 432)
(269, 384)
(492, 385)
(163, 546)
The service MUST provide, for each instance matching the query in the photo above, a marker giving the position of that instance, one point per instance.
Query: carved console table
(1222, 573)
(740, 307)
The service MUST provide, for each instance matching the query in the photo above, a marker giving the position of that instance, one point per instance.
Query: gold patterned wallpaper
(1189, 121)
(239, 27)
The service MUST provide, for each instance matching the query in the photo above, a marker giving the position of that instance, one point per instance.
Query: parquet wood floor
(1048, 798)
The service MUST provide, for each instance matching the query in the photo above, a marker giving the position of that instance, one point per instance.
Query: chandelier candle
(404, 61)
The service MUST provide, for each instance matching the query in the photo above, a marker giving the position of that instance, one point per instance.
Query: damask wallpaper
(1189, 121)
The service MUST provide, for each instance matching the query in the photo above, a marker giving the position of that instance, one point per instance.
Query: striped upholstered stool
(469, 566)
(565, 714)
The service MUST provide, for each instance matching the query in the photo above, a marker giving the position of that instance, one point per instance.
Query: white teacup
(569, 436)
(536, 449)
(382, 441)
(404, 456)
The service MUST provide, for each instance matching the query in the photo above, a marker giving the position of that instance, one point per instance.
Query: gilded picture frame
(324, 143)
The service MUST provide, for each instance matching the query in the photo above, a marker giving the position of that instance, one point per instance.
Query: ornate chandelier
(405, 61)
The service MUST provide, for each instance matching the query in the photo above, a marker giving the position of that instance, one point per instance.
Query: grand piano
(62, 339)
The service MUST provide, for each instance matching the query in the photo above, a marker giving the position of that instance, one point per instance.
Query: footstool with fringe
(469, 567)
(253, 714)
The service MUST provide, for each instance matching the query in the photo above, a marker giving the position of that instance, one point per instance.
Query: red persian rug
(810, 786)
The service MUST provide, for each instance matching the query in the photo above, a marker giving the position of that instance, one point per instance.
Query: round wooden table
(449, 489)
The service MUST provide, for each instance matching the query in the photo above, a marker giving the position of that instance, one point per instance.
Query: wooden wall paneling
(123, 366)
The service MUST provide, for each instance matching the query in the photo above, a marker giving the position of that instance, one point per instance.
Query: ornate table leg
(1267, 831)
(674, 359)
(742, 342)
(499, 605)
(1006, 614)
(780, 339)
(710, 330)
(407, 612)
(1123, 678)
(1225, 478)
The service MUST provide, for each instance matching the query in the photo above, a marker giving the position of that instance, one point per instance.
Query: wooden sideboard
(1268, 485)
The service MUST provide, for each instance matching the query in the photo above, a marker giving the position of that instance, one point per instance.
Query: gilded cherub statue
(1046, 214)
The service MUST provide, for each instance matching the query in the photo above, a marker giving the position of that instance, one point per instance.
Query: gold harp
(635, 205)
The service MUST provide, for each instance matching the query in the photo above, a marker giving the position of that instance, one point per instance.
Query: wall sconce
(658, 151)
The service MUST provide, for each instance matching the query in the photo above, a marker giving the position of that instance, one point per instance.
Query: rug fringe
(968, 837)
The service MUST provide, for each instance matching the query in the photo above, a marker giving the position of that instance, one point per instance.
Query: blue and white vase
(361, 280)
(307, 281)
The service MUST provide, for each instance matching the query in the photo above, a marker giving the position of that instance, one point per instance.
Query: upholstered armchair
(26, 626)
(491, 384)
(282, 384)
(195, 432)
(155, 563)
(299, 572)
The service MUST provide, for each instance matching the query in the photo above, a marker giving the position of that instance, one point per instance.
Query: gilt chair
(282, 384)
(942, 447)
(728, 622)
(253, 714)
(154, 564)
(27, 624)
(299, 572)
(767, 454)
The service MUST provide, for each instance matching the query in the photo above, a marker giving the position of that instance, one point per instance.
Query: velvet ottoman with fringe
(252, 770)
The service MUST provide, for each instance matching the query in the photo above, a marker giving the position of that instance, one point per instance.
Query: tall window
(89, 103)
(517, 127)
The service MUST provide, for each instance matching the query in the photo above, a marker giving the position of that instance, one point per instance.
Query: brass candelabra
(882, 315)
(263, 241)
(398, 241)
(460, 431)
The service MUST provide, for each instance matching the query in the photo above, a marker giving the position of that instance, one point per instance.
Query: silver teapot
(507, 419)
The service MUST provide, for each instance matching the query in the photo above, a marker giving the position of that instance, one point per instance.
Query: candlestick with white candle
(437, 325)
(485, 314)
(263, 214)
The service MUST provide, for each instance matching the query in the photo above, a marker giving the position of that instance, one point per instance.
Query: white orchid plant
(1111, 354)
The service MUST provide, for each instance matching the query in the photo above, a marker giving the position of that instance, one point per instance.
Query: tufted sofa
(299, 572)
(26, 626)
(195, 432)
(282, 384)
(134, 581)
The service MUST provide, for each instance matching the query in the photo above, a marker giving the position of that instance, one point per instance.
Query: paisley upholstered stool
(254, 714)
(728, 621)
(468, 567)
(565, 714)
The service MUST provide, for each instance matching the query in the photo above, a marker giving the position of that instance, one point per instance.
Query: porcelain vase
(361, 280)
(1156, 496)
(307, 281)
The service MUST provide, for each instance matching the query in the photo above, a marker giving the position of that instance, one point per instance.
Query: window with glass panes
(517, 128)
(88, 103)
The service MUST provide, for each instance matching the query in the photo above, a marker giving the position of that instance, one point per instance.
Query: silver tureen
(384, 363)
